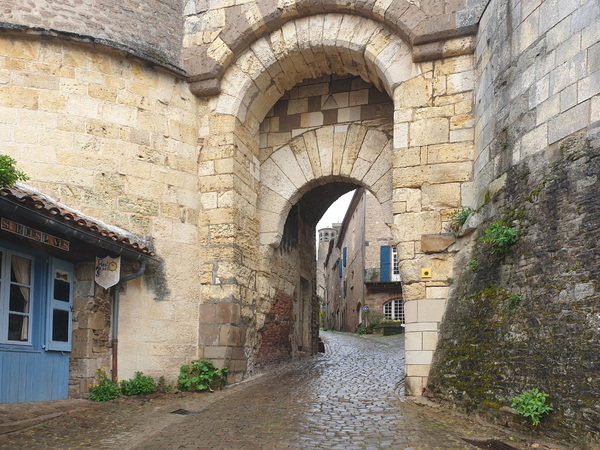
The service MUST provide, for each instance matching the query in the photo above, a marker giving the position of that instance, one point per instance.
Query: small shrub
(532, 404)
(499, 238)
(322, 318)
(458, 217)
(105, 389)
(140, 385)
(362, 331)
(201, 376)
(8, 174)
(515, 299)
(472, 265)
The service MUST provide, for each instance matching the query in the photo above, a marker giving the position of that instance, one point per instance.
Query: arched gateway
(416, 157)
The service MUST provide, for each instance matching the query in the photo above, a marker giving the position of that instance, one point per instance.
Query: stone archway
(354, 154)
(428, 171)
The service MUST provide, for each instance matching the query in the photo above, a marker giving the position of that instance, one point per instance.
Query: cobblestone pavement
(348, 398)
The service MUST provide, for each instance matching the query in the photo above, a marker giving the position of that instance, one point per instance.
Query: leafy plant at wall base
(532, 404)
(362, 331)
(499, 238)
(458, 217)
(472, 265)
(105, 389)
(140, 385)
(201, 376)
(8, 174)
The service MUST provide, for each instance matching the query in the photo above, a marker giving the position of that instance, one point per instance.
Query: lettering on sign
(33, 234)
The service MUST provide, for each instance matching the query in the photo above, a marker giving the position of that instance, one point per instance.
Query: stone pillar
(433, 153)
(221, 338)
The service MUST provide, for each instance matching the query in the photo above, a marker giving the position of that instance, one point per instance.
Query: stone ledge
(435, 243)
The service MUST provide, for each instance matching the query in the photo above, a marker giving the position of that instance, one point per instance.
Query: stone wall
(530, 319)
(152, 30)
(91, 344)
(118, 141)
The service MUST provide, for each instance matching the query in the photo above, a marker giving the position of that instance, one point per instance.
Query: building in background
(326, 235)
(361, 268)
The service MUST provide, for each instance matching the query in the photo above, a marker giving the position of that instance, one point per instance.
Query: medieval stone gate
(216, 133)
(417, 159)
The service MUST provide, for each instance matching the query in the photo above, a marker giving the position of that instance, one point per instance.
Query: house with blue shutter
(52, 315)
(361, 268)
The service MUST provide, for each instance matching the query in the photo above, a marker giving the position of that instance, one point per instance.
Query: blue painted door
(29, 368)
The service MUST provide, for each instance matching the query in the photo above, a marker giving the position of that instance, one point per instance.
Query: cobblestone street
(348, 398)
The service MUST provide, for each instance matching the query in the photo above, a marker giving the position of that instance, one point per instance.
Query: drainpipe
(115, 340)
(364, 249)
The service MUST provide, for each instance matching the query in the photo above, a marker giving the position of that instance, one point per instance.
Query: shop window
(60, 291)
(394, 310)
(23, 297)
(16, 290)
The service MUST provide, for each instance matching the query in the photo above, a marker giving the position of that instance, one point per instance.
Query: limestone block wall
(118, 141)
(537, 123)
(217, 33)
(152, 29)
(91, 344)
(433, 153)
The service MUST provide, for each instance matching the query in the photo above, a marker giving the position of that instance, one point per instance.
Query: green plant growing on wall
(201, 376)
(105, 389)
(140, 385)
(457, 218)
(515, 299)
(499, 238)
(532, 404)
(472, 265)
(8, 174)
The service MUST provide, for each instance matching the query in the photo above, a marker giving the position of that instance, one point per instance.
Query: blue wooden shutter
(60, 306)
(345, 248)
(385, 263)
(340, 267)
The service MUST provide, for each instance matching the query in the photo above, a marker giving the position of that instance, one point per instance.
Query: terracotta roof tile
(34, 200)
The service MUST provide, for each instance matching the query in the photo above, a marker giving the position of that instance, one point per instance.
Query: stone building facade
(206, 129)
(361, 267)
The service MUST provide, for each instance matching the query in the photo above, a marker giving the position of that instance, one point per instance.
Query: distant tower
(325, 235)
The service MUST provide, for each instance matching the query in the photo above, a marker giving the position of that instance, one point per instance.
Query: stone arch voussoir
(308, 48)
(336, 153)
(421, 25)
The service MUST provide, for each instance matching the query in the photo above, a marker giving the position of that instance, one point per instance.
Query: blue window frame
(36, 300)
(16, 297)
(60, 306)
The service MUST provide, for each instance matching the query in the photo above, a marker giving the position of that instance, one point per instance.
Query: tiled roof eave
(54, 215)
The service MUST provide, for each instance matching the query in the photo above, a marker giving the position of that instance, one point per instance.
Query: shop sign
(33, 234)
(108, 271)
